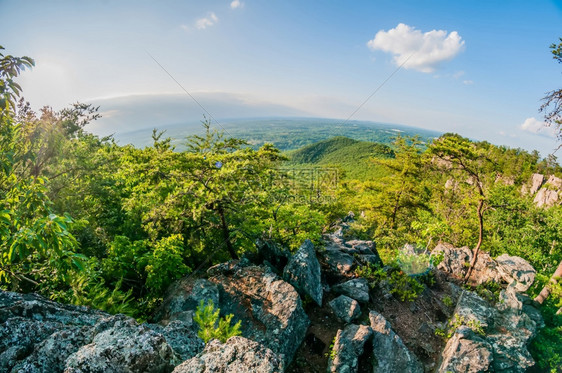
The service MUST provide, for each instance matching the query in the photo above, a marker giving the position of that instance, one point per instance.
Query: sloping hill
(351, 156)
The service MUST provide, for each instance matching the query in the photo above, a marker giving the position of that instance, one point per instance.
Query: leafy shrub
(403, 286)
(447, 301)
(165, 264)
(207, 318)
(457, 321)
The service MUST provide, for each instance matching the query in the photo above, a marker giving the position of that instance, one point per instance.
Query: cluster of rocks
(266, 294)
(546, 191)
(508, 325)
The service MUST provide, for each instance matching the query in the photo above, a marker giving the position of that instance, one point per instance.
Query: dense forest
(86, 221)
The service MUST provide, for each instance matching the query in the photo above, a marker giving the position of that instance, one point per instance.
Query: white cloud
(205, 22)
(184, 27)
(538, 127)
(424, 50)
(467, 82)
(236, 4)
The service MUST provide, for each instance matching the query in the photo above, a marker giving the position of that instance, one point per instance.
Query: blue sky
(478, 68)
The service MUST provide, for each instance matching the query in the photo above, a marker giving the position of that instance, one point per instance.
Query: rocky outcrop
(505, 268)
(125, 347)
(348, 347)
(345, 308)
(466, 352)
(270, 309)
(501, 343)
(537, 180)
(514, 269)
(547, 194)
(238, 354)
(38, 334)
(391, 354)
(303, 272)
(357, 288)
(342, 256)
(546, 198)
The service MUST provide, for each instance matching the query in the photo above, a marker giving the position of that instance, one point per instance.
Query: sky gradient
(478, 68)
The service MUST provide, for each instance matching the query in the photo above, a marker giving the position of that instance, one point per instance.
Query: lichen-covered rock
(183, 340)
(466, 352)
(237, 355)
(348, 347)
(514, 269)
(391, 354)
(473, 308)
(508, 328)
(39, 335)
(303, 272)
(357, 288)
(126, 347)
(270, 309)
(456, 261)
(345, 308)
(339, 262)
(182, 300)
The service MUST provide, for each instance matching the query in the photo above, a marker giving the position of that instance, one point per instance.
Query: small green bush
(457, 321)
(207, 317)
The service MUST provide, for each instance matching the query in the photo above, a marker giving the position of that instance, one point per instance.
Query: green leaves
(207, 317)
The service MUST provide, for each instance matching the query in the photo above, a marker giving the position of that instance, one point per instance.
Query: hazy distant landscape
(284, 133)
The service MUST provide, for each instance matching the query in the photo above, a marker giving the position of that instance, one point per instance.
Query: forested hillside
(86, 221)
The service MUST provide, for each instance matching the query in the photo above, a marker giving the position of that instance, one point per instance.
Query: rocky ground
(302, 312)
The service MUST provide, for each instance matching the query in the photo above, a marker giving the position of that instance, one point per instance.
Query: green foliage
(455, 322)
(165, 264)
(447, 301)
(211, 327)
(413, 263)
(405, 287)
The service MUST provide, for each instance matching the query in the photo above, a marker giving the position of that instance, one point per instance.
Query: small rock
(358, 289)
(348, 347)
(345, 308)
(392, 355)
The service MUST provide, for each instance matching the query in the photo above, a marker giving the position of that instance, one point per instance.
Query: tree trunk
(545, 292)
(226, 234)
(480, 238)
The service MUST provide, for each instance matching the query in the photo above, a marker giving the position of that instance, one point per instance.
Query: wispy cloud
(235, 4)
(538, 127)
(207, 21)
(424, 50)
(467, 82)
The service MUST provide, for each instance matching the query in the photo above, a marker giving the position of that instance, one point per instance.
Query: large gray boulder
(466, 352)
(391, 354)
(339, 262)
(514, 269)
(237, 355)
(345, 308)
(303, 272)
(348, 347)
(126, 347)
(508, 329)
(357, 288)
(270, 309)
(39, 335)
